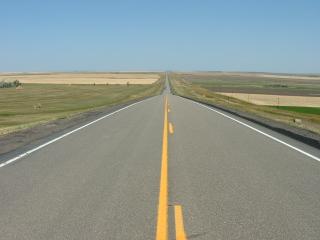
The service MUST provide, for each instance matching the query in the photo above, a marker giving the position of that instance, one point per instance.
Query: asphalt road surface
(157, 171)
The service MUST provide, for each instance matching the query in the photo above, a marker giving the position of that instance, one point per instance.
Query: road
(157, 171)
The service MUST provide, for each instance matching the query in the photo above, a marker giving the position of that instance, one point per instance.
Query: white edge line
(64, 135)
(257, 130)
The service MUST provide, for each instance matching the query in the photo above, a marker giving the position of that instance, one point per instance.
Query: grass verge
(39, 103)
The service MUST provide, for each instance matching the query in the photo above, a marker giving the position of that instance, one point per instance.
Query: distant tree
(16, 83)
(4, 84)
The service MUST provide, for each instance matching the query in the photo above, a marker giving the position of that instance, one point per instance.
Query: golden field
(276, 100)
(82, 78)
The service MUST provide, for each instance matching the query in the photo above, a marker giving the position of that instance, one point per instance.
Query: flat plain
(82, 78)
(293, 85)
(257, 93)
(36, 102)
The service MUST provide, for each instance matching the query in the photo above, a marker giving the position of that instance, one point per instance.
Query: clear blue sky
(245, 35)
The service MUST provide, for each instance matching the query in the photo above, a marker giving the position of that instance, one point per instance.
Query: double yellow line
(162, 223)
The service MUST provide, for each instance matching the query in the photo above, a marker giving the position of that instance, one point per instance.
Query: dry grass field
(255, 83)
(276, 100)
(66, 95)
(82, 78)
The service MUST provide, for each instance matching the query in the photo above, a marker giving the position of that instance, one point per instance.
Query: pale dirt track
(84, 78)
(275, 100)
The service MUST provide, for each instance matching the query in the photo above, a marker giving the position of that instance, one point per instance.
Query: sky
(146, 35)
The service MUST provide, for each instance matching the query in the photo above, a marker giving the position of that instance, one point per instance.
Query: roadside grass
(39, 103)
(306, 110)
(199, 92)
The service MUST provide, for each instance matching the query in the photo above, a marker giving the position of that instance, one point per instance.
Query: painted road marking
(178, 218)
(259, 131)
(171, 130)
(66, 134)
(162, 223)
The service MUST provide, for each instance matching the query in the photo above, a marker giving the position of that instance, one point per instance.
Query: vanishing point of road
(164, 168)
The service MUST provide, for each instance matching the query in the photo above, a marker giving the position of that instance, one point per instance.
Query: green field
(37, 103)
(307, 110)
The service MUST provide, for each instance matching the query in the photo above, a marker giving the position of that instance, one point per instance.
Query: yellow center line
(178, 218)
(171, 130)
(162, 223)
